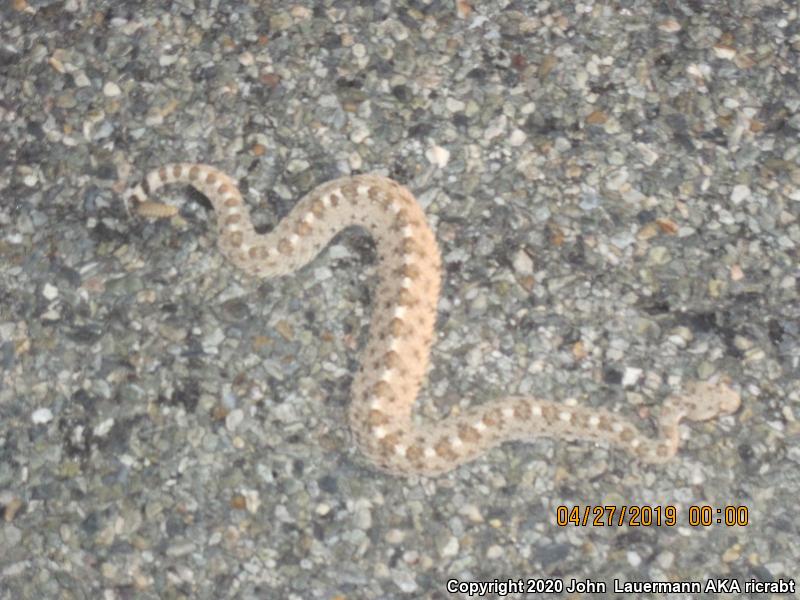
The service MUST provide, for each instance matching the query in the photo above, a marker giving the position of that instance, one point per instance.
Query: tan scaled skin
(395, 359)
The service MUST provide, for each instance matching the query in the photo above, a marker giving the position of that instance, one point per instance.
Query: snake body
(395, 358)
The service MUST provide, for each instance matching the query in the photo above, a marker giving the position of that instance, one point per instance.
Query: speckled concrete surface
(616, 190)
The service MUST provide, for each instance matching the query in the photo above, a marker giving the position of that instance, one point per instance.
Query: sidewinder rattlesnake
(395, 359)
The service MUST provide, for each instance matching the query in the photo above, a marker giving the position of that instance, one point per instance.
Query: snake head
(709, 399)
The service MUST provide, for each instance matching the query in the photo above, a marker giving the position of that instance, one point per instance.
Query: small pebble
(50, 291)
(740, 193)
(517, 137)
(494, 552)
(359, 50)
(81, 80)
(454, 105)
(669, 25)
(438, 156)
(41, 416)
(111, 89)
(450, 548)
(631, 376)
(395, 536)
(522, 263)
(252, 500)
(103, 428)
(234, 419)
(724, 51)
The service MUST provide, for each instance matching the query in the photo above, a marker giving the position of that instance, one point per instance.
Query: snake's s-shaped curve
(395, 358)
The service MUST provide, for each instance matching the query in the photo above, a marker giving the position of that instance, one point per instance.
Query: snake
(395, 358)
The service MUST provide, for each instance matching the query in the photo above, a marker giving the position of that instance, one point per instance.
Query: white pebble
(359, 134)
(297, 165)
(438, 156)
(103, 428)
(454, 105)
(111, 89)
(739, 193)
(405, 581)
(736, 273)
(724, 51)
(212, 340)
(669, 25)
(616, 179)
(41, 416)
(517, 137)
(166, 60)
(234, 419)
(665, 560)
(496, 127)
(50, 291)
(472, 512)
(54, 314)
(354, 160)
(362, 515)
(631, 376)
(522, 263)
(359, 50)
(648, 155)
(450, 548)
(252, 500)
(282, 514)
(81, 80)
(494, 552)
(634, 559)
(395, 536)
